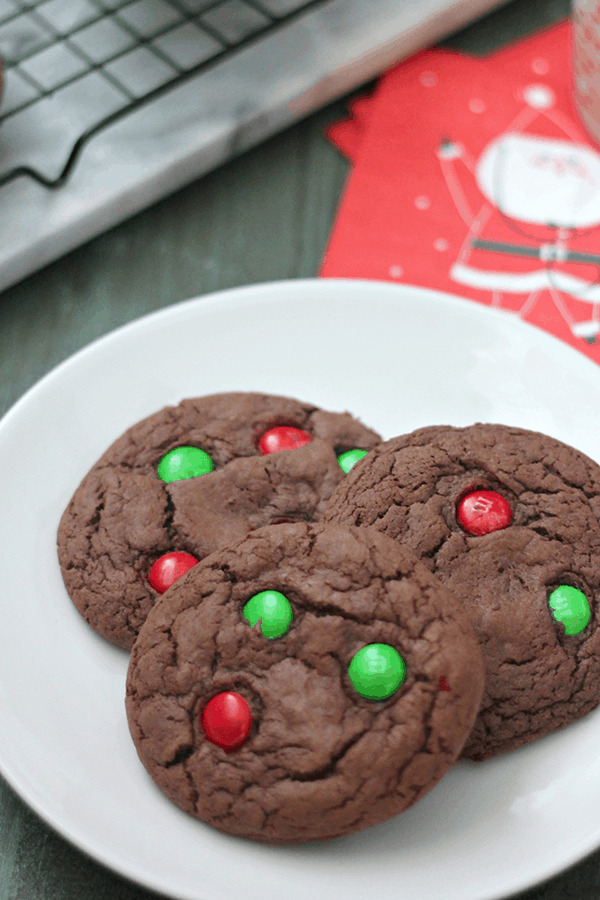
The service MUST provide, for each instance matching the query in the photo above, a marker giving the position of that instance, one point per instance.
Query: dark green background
(264, 216)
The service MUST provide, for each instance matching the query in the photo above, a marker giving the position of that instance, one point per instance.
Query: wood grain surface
(264, 216)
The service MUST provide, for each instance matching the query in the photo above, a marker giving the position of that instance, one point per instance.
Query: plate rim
(214, 298)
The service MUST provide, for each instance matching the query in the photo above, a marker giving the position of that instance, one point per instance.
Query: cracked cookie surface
(538, 677)
(320, 760)
(123, 517)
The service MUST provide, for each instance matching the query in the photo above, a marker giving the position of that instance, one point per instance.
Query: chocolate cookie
(186, 481)
(510, 521)
(306, 683)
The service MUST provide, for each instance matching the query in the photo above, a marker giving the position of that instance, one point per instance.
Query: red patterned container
(586, 63)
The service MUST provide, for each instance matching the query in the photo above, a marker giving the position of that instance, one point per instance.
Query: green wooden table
(262, 217)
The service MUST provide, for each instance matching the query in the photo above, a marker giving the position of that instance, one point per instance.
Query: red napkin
(347, 135)
(474, 176)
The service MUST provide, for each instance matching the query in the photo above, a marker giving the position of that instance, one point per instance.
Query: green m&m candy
(570, 606)
(350, 458)
(272, 609)
(184, 462)
(377, 671)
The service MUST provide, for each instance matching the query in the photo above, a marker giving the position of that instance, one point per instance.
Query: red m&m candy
(226, 720)
(169, 568)
(283, 437)
(481, 512)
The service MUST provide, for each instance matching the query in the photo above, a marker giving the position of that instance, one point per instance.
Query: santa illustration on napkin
(538, 226)
(474, 176)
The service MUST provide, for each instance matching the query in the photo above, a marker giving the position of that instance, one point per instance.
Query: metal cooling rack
(71, 68)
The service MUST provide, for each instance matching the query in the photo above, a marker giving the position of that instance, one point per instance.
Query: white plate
(399, 358)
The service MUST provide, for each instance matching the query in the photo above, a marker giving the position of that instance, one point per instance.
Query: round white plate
(397, 357)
